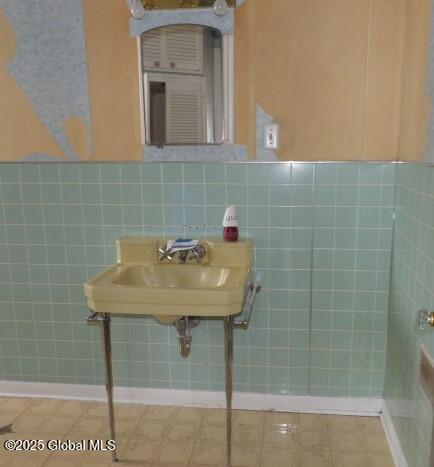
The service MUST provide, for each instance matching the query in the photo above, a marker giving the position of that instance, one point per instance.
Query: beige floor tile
(175, 453)
(99, 409)
(70, 456)
(309, 420)
(138, 451)
(345, 441)
(281, 418)
(91, 462)
(349, 459)
(343, 422)
(247, 417)
(100, 454)
(128, 463)
(27, 460)
(88, 427)
(165, 464)
(5, 459)
(380, 460)
(43, 406)
(243, 436)
(209, 455)
(4, 438)
(245, 457)
(123, 428)
(313, 439)
(313, 458)
(122, 411)
(163, 436)
(189, 415)
(182, 432)
(213, 435)
(272, 457)
(214, 417)
(7, 417)
(71, 408)
(150, 430)
(16, 404)
(279, 439)
(201, 465)
(27, 423)
(58, 408)
(159, 413)
(58, 425)
(130, 411)
(371, 424)
(375, 442)
(57, 460)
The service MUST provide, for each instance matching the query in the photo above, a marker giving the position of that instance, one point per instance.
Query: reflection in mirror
(182, 69)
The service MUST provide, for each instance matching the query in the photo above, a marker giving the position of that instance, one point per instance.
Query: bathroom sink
(141, 283)
(181, 275)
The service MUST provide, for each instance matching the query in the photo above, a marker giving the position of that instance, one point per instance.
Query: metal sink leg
(229, 356)
(109, 377)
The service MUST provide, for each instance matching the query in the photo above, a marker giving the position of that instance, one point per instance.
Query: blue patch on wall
(50, 61)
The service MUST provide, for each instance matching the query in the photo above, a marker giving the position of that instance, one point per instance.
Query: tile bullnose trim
(392, 437)
(362, 406)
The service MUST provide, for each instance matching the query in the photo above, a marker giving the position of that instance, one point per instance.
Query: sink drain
(185, 346)
(184, 326)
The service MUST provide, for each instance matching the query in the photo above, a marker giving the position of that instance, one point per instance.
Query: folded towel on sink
(181, 244)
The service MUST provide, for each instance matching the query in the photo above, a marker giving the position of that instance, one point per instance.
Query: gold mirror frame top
(175, 4)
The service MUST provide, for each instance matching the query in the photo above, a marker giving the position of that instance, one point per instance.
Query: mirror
(183, 91)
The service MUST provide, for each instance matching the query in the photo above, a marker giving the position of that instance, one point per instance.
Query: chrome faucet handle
(164, 254)
(183, 255)
(198, 253)
(425, 319)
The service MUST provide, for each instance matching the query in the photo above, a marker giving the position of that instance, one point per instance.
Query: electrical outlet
(271, 136)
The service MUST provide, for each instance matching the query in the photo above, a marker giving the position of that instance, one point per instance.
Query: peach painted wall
(345, 79)
(416, 104)
(113, 75)
(328, 72)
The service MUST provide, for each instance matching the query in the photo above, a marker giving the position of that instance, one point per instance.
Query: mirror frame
(200, 17)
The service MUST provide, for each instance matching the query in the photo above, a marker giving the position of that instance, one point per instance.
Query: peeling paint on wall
(21, 130)
(50, 61)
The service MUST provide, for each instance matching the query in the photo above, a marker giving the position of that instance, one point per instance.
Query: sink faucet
(197, 253)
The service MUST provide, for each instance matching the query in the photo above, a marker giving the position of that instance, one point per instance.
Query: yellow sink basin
(180, 275)
(139, 283)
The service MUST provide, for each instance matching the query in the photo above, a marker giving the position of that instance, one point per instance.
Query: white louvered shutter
(184, 49)
(177, 49)
(152, 49)
(185, 111)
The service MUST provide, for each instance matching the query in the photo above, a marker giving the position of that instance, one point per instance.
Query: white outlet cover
(271, 136)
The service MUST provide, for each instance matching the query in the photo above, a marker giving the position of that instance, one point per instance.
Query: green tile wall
(353, 211)
(412, 288)
(322, 237)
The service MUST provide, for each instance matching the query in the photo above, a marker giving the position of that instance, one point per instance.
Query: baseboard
(392, 437)
(207, 399)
